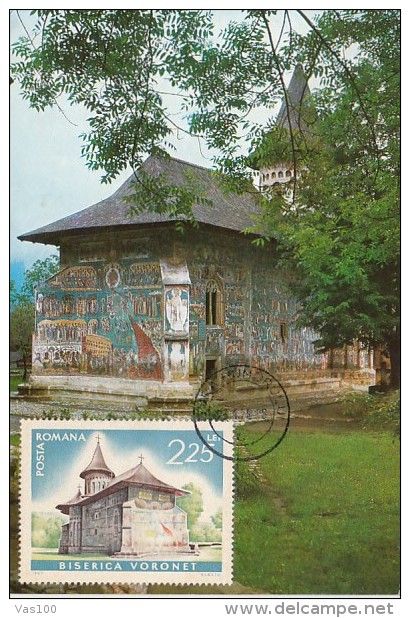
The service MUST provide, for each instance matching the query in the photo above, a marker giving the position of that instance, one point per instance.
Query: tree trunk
(395, 356)
(24, 368)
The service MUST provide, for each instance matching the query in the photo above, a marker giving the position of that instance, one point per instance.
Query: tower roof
(97, 463)
(65, 506)
(292, 114)
(227, 209)
(296, 94)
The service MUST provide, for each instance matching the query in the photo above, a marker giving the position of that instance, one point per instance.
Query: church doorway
(210, 367)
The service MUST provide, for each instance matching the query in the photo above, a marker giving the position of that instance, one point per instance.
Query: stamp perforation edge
(29, 576)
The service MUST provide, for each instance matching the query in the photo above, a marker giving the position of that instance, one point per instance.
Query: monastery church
(140, 310)
(133, 513)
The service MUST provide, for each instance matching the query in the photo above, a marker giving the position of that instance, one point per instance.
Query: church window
(273, 175)
(288, 173)
(283, 332)
(280, 174)
(214, 304)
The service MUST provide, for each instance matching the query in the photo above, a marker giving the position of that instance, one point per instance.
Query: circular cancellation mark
(244, 393)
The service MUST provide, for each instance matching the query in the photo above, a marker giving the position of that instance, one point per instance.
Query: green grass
(378, 411)
(15, 380)
(338, 529)
(15, 439)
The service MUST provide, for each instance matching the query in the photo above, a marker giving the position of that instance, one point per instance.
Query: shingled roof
(297, 92)
(144, 478)
(65, 506)
(228, 210)
(97, 463)
(138, 476)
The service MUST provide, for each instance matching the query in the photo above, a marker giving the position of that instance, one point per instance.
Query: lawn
(326, 518)
(14, 380)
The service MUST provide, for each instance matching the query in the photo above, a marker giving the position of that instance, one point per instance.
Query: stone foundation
(303, 389)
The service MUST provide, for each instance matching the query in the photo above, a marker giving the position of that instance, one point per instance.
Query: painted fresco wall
(102, 319)
(176, 328)
(225, 264)
(141, 313)
(276, 341)
(259, 312)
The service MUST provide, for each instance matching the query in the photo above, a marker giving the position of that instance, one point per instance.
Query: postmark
(243, 393)
(125, 501)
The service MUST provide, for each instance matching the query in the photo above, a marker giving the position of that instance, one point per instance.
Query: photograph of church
(131, 514)
(140, 309)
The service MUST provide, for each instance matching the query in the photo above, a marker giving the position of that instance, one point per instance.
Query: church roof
(97, 463)
(297, 92)
(139, 476)
(228, 210)
(65, 506)
(143, 477)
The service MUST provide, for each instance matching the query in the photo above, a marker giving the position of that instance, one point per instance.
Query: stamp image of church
(132, 514)
(140, 310)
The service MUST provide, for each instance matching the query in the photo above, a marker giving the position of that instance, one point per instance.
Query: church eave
(166, 489)
(84, 473)
(225, 208)
(114, 487)
(57, 238)
(107, 491)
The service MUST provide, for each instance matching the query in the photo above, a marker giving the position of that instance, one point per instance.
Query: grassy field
(326, 518)
(14, 380)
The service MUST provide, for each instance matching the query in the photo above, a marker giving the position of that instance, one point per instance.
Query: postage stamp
(125, 501)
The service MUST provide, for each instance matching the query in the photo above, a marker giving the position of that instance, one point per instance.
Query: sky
(48, 177)
(49, 180)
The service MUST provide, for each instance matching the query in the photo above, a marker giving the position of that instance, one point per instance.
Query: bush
(45, 530)
(379, 411)
(208, 410)
(207, 533)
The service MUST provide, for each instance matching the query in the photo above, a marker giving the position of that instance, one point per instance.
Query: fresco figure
(176, 308)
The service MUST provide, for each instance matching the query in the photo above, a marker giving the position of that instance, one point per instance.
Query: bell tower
(97, 474)
(290, 118)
